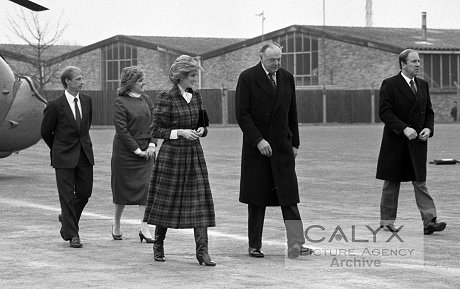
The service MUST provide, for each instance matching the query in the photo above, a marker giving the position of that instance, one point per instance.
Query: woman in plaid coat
(179, 194)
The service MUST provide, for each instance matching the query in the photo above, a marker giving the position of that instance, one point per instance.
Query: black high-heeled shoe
(205, 259)
(142, 237)
(116, 237)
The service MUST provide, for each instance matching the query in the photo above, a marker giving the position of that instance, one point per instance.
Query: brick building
(343, 58)
(338, 57)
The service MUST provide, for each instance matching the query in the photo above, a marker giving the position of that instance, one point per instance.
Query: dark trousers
(389, 202)
(292, 222)
(74, 187)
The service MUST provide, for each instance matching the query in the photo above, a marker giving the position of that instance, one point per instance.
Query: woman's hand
(188, 134)
(200, 131)
(150, 151)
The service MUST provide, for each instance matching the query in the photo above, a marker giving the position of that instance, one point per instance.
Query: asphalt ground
(335, 168)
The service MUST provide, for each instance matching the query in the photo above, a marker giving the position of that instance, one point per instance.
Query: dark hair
(268, 45)
(68, 73)
(403, 56)
(182, 67)
(129, 76)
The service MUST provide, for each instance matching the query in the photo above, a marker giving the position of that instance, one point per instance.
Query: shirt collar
(186, 95)
(70, 97)
(266, 72)
(135, 95)
(408, 79)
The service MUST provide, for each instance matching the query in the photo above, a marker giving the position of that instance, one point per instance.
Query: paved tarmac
(335, 167)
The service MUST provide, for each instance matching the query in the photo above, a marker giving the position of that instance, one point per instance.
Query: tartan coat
(401, 159)
(263, 113)
(179, 193)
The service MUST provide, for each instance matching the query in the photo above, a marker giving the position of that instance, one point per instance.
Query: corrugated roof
(192, 45)
(27, 50)
(436, 39)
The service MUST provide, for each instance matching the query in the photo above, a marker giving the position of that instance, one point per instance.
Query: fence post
(324, 104)
(224, 105)
(372, 105)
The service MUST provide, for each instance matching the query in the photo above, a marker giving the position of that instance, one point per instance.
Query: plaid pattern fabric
(179, 193)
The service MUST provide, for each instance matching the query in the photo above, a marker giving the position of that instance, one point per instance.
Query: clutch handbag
(203, 120)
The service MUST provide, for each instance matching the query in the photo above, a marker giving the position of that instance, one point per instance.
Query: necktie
(77, 113)
(270, 75)
(412, 86)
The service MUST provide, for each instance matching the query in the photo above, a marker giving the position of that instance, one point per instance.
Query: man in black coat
(266, 113)
(405, 109)
(65, 129)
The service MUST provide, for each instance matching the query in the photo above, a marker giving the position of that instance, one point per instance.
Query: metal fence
(313, 106)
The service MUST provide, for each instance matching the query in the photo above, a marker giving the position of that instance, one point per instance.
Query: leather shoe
(434, 226)
(297, 250)
(389, 227)
(61, 231)
(256, 253)
(75, 242)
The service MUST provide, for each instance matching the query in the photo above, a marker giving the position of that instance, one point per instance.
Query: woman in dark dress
(133, 150)
(179, 194)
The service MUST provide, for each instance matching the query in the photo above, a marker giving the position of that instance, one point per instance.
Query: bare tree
(39, 35)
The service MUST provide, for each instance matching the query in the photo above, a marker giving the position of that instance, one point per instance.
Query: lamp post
(263, 20)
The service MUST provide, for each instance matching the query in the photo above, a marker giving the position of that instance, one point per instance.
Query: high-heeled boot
(201, 240)
(158, 249)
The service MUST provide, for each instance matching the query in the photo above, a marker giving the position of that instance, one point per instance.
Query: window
(115, 57)
(300, 57)
(441, 70)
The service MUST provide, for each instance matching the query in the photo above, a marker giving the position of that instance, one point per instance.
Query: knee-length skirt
(179, 193)
(130, 176)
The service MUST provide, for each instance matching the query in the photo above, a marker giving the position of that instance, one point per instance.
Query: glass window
(115, 57)
(445, 71)
(436, 71)
(454, 70)
(290, 43)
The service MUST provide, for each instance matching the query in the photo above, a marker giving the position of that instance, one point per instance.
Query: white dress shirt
(70, 99)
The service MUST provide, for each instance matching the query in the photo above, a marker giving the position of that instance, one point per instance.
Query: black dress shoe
(256, 253)
(305, 251)
(75, 242)
(61, 231)
(389, 227)
(434, 226)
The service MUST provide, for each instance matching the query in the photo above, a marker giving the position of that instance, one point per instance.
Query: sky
(90, 21)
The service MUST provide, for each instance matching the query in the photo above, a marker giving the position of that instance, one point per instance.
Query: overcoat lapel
(404, 87)
(265, 83)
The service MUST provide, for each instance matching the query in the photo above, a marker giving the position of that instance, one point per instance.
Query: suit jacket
(263, 113)
(59, 131)
(401, 159)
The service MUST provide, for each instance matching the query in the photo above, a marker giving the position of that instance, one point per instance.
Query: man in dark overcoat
(266, 113)
(65, 129)
(405, 109)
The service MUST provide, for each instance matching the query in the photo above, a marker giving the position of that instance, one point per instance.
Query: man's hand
(410, 133)
(265, 148)
(294, 150)
(424, 134)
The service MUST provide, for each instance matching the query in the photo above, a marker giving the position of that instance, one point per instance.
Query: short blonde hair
(182, 67)
(129, 76)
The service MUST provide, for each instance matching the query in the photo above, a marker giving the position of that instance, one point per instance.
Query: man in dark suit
(405, 109)
(266, 113)
(65, 129)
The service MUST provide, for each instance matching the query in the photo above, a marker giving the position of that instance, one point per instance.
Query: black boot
(201, 240)
(158, 249)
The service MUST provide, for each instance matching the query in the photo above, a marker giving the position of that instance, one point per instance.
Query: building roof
(386, 39)
(191, 45)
